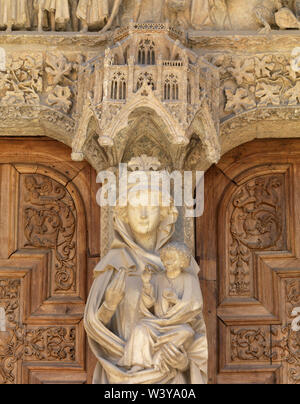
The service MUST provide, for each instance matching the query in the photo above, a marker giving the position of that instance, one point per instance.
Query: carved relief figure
(265, 13)
(262, 15)
(288, 17)
(113, 309)
(113, 15)
(74, 20)
(14, 14)
(136, 11)
(178, 12)
(207, 14)
(92, 13)
(57, 11)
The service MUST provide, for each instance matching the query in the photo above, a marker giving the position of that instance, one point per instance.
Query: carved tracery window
(145, 78)
(118, 87)
(189, 92)
(146, 52)
(171, 88)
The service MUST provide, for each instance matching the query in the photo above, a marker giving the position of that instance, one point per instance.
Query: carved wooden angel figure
(57, 11)
(14, 13)
(92, 13)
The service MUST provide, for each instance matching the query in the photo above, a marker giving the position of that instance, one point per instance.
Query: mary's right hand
(115, 291)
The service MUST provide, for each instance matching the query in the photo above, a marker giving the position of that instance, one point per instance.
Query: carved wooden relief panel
(43, 265)
(252, 267)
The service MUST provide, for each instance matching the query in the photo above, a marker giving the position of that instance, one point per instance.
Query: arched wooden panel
(48, 217)
(248, 247)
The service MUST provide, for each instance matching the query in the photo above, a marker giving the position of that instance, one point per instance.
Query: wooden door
(248, 243)
(49, 244)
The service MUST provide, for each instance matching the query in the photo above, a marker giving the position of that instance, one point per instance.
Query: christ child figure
(169, 305)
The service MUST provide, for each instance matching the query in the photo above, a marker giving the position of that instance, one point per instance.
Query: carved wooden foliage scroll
(50, 222)
(260, 278)
(42, 276)
(285, 340)
(12, 344)
(256, 224)
(28, 343)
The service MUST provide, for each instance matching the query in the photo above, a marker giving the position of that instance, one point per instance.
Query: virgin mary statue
(112, 311)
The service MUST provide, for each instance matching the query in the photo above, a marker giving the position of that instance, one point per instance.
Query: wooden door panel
(257, 262)
(43, 265)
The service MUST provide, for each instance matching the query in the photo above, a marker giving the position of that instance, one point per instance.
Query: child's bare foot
(136, 368)
(84, 28)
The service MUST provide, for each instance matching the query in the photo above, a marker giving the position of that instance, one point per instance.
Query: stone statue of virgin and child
(144, 316)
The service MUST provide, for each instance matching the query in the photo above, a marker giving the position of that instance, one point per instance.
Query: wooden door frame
(218, 179)
(46, 156)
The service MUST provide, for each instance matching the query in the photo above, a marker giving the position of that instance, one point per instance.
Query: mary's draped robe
(108, 342)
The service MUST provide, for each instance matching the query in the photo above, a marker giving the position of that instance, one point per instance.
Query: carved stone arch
(37, 120)
(144, 99)
(195, 154)
(57, 125)
(146, 128)
(146, 137)
(81, 134)
(99, 157)
(146, 52)
(261, 123)
(205, 127)
(126, 53)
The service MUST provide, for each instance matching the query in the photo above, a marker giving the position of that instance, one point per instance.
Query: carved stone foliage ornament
(22, 83)
(258, 81)
(61, 82)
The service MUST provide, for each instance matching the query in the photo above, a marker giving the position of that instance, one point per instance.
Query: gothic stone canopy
(149, 74)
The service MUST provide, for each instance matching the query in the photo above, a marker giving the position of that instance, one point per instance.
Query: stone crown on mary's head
(144, 173)
(144, 163)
